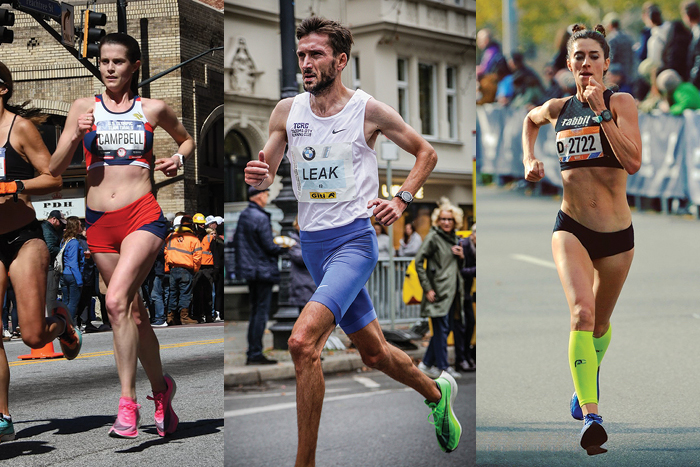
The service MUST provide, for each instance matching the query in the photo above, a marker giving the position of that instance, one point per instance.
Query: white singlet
(334, 172)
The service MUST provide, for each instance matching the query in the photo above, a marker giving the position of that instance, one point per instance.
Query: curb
(249, 375)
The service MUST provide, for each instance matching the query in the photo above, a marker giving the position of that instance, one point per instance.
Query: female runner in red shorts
(125, 225)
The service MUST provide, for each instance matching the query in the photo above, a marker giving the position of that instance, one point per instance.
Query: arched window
(237, 154)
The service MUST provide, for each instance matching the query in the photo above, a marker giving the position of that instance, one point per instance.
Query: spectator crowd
(185, 285)
(659, 65)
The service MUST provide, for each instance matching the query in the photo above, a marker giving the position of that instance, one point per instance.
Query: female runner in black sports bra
(24, 171)
(598, 143)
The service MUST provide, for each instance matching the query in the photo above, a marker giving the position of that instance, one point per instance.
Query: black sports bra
(580, 141)
(13, 166)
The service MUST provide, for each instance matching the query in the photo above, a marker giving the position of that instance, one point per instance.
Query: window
(402, 85)
(451, 92)
(356, 71)
(237, 154)
(427, 100)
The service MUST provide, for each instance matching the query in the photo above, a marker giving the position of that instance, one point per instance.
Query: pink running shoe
(166, 420)
(127, 423)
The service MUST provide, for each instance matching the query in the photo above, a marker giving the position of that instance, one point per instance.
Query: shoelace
(159, 399)
(128, 411)
(592, 417)
(433, 412)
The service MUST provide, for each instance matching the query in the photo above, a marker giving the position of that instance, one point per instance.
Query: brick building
(170, 32)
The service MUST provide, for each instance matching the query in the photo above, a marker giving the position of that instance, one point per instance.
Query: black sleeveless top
(16, 168)
(580, 141)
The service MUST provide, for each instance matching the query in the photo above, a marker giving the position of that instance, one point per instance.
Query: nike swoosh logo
(338, 131)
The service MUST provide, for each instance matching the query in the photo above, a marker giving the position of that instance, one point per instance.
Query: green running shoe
(7, 430)
(447, 426)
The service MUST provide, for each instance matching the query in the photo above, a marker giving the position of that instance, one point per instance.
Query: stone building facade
(169, 32)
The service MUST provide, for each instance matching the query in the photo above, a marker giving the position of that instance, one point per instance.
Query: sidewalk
(236, 372)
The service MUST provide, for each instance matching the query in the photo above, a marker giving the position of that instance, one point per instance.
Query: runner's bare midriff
(596, 198)
(113, 187)
(15, 215)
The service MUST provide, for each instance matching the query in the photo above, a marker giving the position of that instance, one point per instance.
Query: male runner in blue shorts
(331, 131)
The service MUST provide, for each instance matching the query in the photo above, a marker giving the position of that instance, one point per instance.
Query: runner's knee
(376, 356)
(302, 349)
(583, 317)
(117, 305)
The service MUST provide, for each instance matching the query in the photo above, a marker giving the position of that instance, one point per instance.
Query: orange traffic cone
(44, 352)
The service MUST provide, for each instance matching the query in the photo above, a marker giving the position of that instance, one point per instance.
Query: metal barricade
(378, 288)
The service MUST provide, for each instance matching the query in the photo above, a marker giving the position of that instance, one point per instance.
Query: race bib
(579, 144)
(323, 173)
(2, 164)
(121, 139)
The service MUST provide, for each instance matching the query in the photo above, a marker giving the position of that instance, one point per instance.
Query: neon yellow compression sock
(601, 344)
(584, 366)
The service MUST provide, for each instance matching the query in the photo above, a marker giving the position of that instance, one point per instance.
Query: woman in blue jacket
(73, 262)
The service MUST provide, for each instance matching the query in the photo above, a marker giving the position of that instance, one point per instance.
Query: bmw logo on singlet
(309, 153)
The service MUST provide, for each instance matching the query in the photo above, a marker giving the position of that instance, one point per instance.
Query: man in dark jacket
(52, 229)
(256, 263)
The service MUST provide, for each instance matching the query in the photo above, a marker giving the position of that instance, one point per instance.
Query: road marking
(278, 394)
(366, 382)
(695, 315)
(533, 260)
(105, 353)
(291, 405)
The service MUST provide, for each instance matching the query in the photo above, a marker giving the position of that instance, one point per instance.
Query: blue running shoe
(576, 411)
(593, 435)
(7, 430)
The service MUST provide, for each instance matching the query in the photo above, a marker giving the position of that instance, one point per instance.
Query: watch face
(406, 196)
(607, 116)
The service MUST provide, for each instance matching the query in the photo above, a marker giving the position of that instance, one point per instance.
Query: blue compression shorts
(340, 261)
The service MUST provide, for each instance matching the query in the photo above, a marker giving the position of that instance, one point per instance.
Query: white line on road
(366, 382)
(291, 405)
(533, 260)
(695, 315)
(278, 394)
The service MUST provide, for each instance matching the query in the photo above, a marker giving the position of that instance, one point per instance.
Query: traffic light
(7, 18)
(91, 34)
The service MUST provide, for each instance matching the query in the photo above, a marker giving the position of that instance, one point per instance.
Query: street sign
(44, 7)
(67, 25)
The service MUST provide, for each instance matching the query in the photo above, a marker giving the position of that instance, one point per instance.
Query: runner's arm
(627, 143)
(537, 117)
(164, 117)
(78, 122)
(32, 146)
(381, 117)
(260, 173)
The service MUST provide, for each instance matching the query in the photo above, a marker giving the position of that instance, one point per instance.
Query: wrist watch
(20, 186)
(605, 116)
(181, 158)
(404, 196)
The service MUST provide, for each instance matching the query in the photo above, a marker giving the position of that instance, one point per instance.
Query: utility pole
(121, 16)
(286, 314)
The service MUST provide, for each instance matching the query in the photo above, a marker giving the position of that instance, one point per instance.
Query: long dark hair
(36, 116)
(133, 53)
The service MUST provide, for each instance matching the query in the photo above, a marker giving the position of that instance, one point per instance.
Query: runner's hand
(85, 122)
(594, 95)
(167, 165)
(8, 188)
(256, 171)
(387, 211)
(534, 170)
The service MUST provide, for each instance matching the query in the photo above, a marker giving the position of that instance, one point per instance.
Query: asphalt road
(368, 420)
(63, 409)
(649, 380)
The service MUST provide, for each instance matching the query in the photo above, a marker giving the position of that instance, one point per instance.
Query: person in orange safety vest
(183, 257)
